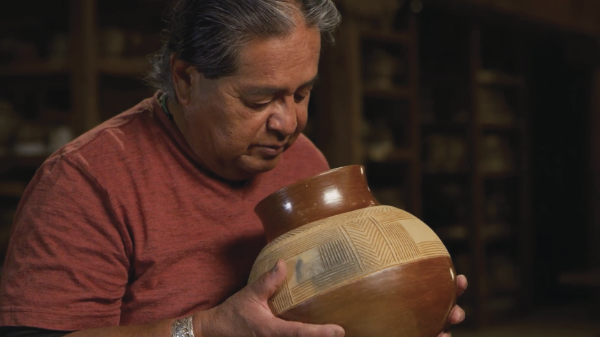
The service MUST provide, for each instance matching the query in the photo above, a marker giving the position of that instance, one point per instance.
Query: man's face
(239, 125)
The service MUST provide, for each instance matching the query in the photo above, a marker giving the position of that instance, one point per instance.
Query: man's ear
(183, 79)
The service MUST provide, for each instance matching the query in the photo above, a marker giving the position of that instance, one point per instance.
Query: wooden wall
(575, 15)
(595, 167)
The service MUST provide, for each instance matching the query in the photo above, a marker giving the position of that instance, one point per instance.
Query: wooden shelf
(499, 175)
(12, 189)
(444, 127)
(492, 77)
(501, 304)
(35, 69)
(494, 231)
(398, 156)
(399, 37)
(447, 173)
(21, 161)
(455, 233)
(392, 93)
(126, 67)
(7, 216)
(488, 232)
(501, 127)
(589, 278)
(499, 293)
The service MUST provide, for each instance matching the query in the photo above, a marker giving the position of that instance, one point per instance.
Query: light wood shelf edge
(134, 67)
(35, 68)
(493, 77)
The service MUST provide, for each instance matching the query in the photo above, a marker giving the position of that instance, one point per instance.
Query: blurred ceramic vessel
(375, 270)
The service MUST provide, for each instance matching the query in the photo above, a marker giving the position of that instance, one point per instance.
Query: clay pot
(374, 270)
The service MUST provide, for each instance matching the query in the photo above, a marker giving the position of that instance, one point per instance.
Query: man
(148, 217)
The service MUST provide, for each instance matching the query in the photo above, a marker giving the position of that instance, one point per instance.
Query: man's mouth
(270, 150)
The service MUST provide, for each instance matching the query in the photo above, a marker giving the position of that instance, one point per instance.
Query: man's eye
(300, 97)
(257, 106)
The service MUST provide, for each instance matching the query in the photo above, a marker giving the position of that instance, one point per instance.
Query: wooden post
(415, 170)
(341, 72)
(525, 233)
(595, 174)
(84, 71)
(477, 188)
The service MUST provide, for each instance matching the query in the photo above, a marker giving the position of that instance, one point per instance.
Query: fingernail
(337, 333)
(275, 267)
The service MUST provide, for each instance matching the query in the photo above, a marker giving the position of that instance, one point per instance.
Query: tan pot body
(375, 271)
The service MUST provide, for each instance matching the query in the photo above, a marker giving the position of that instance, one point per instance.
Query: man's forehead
(302, 42)
(267, 90)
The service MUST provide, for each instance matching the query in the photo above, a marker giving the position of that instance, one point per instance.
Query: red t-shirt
(121, 226)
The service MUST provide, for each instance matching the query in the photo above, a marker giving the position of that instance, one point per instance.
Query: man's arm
(24, 331)
(246, 313)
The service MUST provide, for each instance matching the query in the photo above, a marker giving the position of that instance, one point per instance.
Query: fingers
(296, 329)
(461, 282)
(263, 289)
(247, 313)
(457, 315)
(445, 334)
(270, 281)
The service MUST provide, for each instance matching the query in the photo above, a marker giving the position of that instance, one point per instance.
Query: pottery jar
(373, 269)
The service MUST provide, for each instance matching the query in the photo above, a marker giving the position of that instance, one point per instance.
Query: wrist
(199, 320)
(208, 323)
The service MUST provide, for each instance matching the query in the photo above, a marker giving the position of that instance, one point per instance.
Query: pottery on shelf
(375, 270)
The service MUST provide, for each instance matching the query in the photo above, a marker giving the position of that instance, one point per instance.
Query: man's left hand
(457, 314)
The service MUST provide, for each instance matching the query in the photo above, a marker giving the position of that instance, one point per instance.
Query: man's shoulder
(110, 137)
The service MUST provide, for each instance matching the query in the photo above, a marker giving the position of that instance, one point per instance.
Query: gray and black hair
(208, 34)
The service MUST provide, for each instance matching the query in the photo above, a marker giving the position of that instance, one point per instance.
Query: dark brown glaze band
(333, 192)
(414, 298)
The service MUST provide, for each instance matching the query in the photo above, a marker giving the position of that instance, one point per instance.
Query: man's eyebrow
(269, 91)
(311, 82)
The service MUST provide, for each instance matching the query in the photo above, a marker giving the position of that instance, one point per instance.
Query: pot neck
(330, 193)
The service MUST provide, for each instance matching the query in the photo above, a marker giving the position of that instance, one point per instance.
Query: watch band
(182, 327)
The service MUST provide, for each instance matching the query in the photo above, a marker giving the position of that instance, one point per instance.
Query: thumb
(270, 282)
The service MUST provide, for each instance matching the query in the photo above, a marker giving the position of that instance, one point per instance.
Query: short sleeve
(67, 264)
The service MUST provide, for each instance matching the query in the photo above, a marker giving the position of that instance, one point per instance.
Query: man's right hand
(247, 313)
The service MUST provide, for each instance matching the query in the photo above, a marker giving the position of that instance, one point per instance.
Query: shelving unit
(391, 103)
(369, 113)
(37, 69)
(452, 150)
(500, 182)
(129, 67)
(28, 77)
(69, 63)
(476, 118)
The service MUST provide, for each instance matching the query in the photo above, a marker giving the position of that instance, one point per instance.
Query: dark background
(66, 66)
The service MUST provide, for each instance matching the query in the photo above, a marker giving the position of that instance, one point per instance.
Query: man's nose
(284, 119)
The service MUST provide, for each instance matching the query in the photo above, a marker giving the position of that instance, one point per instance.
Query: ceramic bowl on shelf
(373, 269)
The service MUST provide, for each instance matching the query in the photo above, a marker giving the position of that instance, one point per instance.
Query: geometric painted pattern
(341, 249)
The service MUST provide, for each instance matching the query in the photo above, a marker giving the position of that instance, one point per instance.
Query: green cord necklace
(164, 105)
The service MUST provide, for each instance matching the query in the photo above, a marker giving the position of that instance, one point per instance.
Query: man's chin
(255, 165)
